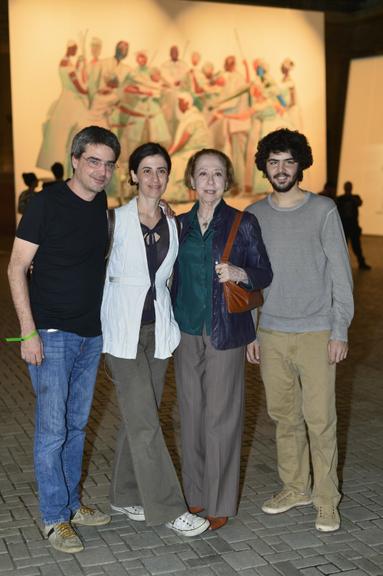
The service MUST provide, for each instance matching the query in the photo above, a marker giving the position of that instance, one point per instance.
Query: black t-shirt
(348, 207)
(68, 269)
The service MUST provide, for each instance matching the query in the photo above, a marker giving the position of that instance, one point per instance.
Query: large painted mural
(185, 74)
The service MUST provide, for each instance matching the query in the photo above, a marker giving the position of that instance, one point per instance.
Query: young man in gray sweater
(302, 332)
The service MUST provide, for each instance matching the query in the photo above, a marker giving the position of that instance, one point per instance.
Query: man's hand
(32, 351)
(252, 352)
(337, 351)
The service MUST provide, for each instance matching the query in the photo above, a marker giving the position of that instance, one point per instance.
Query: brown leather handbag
(238, 299)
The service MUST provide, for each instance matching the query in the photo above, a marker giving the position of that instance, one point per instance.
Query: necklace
(204, 222)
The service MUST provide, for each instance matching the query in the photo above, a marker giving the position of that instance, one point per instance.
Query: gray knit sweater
(312, 284)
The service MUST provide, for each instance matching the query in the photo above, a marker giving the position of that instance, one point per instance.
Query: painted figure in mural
(274, 106)
(93, 68)
(115, 66)
(135, 106)
(173, 72)
(66, 114)
(303, 325)
(348, 207)
(210, 360)
(268, 108)
(64, 232)
(140, 334)
(194, 79)
(289, 95)
(158, 128)
(235, 100)
(31, 181)
(113, 71)
(266, 111)
(102, 111)
(192, 134)
(212, 85)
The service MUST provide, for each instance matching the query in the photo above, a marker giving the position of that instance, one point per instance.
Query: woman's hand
(167, 208)
(228, 272)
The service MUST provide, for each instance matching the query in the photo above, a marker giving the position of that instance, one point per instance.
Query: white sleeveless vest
(126, 285)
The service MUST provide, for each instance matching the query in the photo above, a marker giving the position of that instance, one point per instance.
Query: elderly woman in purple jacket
(210, 359)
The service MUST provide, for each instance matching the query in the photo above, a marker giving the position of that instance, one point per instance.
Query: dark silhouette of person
(57, 170)
(329, 190)
(348, 207)
(31, 181)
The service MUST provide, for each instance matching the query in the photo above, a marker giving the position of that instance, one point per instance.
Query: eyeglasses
(97, 163)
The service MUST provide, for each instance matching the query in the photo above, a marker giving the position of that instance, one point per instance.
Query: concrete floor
(253, 543)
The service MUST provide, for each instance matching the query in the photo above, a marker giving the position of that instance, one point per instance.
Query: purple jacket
(249, 253)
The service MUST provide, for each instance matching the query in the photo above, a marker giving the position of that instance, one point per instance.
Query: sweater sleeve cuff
(339, 333)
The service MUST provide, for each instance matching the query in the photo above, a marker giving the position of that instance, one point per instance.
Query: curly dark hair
(189, 171)
(285, 140)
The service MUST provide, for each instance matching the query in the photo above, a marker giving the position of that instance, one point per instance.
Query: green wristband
(23, 338)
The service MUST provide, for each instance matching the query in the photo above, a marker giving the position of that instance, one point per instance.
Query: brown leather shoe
(195, 509)
(217, 522)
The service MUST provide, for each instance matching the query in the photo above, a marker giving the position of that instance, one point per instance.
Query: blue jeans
(63, 385)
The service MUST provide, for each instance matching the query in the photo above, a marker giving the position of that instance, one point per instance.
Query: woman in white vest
(140, 334)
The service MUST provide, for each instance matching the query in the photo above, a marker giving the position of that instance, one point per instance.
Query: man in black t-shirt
(348, 208)
(64, 233)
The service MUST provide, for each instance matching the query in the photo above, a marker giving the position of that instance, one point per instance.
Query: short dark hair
(285, 140)
(190, 167)
(347, 186)
(94, 135)
(141, 152)
(29, 178)
(57, 170)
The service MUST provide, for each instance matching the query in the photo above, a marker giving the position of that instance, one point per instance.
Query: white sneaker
(189, 524)
(132, 512)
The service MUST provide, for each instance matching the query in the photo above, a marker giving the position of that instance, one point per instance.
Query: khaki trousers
(300, 394)
(210, 391)
(143, 472)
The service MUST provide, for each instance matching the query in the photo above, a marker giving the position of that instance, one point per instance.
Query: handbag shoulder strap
(231, 238)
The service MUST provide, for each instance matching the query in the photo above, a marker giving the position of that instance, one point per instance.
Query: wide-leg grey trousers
(143, 472)
(210, 390)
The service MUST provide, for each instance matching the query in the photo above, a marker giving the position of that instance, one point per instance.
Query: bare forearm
(18, 283)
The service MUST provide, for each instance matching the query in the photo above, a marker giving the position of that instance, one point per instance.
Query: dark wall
(347, 36)
(7, 193)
